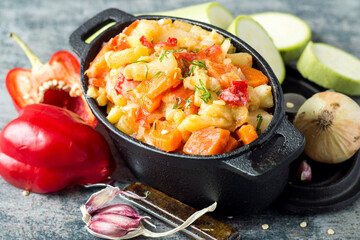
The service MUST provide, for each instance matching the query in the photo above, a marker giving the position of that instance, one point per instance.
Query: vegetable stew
(180, 88)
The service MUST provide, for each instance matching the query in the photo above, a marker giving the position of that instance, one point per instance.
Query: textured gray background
(46, 26)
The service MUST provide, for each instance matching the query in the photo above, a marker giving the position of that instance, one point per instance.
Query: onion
(330, 122)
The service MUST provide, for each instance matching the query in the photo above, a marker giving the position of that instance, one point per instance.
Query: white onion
(330, 122)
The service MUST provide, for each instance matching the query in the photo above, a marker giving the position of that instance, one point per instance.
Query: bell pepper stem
(35, 61)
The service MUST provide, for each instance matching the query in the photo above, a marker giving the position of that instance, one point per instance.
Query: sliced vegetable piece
(289, 33)
(189, 106)
(240, 58)
(165, 136)
(116, 59)
(212, 12)
(255, 35)
(246, 133)
(330, 67)
(237, 94)
(98, 67)
(231, 145)
(160, 84)
(207, 141)
(253, 76)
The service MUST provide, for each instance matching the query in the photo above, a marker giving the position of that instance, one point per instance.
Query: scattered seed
(26, 193)
(303, 224)
(265, 226)
(230, 217)
(331, 232)
(289, 105)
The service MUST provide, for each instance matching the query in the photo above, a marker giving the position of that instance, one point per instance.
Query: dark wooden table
(46, 26)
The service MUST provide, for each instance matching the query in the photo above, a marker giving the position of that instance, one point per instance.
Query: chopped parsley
(225, 40)
(165, 53)
(147, 71)
(177, 103)
(199, 63)
(140, 61)
(259, 120)
(187, 104)
(205, 95)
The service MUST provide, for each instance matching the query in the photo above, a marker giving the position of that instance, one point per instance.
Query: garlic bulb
(330, 122)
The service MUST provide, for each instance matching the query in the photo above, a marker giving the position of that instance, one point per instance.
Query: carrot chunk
(231, 145)
(207, 141)
(152, 104)
(98, 67)
(190, 108)
(165, 136)
(246, 133)
(161, 84)
(178, 92)
(253, 76)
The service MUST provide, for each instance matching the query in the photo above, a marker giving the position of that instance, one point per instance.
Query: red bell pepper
(56, 82)
(48, 148)
(237, 94)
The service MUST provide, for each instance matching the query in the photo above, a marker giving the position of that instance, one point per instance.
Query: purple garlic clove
(120, 209)
(121, 221)
(101, 198)
(305, 173)
(107, 229)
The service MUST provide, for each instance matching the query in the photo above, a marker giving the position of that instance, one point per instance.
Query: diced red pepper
(237, 94)
(118, 84)
(170, 42)
(145, 42)
(142, 118)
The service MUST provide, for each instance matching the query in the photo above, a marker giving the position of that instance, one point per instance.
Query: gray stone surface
(46, 26)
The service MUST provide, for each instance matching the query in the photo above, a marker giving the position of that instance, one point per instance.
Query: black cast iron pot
(246, 179)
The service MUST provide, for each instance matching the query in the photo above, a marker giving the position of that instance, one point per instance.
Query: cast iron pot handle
(78, 39)
(284, 146)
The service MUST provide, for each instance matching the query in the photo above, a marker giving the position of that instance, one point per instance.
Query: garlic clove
(120, 221)
(101, 198)
(305, 172)
(121, 209)
(107, 230)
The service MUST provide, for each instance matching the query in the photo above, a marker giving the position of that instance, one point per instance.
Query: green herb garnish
(147, 71)
(147, 87)
(259, 120)
(187, 104)
(205, 94)
(191, 72)
(199, 63)
(129, 90)
(140, 61)
(225, 40)
(165, 53)
(177, 103)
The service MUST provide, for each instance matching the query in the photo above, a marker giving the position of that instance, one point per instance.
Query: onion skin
(330, 122)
